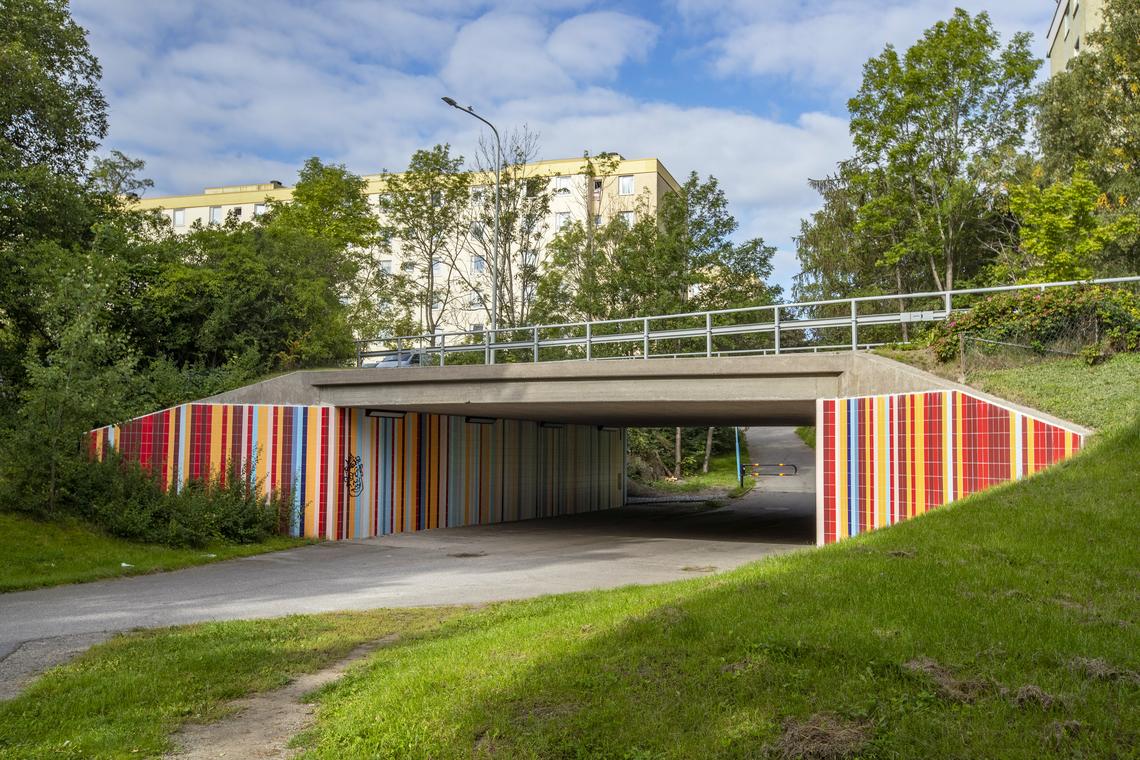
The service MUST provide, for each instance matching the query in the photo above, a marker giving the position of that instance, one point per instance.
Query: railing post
(946, 302)
(776, 325)
(645, 339)
(491, 338)
(534, 344)
(589, 335)
(708, 335)
(854, 325)
(443, 350)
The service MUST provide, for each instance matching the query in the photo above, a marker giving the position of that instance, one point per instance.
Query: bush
(126, 501)
(1107, 317)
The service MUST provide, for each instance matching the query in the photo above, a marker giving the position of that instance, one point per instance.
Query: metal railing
(809, 326)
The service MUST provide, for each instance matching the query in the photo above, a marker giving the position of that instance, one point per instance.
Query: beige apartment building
(633, 186)
(1072, 21)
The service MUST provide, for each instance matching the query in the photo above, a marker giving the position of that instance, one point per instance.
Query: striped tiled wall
(352, 476)
(889, 458)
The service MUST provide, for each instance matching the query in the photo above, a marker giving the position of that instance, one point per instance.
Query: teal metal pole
(739, 472)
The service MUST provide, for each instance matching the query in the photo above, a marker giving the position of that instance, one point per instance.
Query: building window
(408, 266)
(477, 193)
(258, 209)
(597, 220)
(436, 198)
(179, 217)
(625, 185)
(437, 267)
(478, 263)
(477, 230)
(561, 219)
(475, 300)
(628, 218)
(386, 266)
(561, 185)
(215, 214)
(530, 258)
(476, 327)
(236, 211)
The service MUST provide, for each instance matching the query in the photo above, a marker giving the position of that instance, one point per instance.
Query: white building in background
(1072, 21)
(633, 186)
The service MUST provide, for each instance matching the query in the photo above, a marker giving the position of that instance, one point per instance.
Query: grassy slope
(50, 553)
(1093, 396)
(1011, 586)
(123, 698)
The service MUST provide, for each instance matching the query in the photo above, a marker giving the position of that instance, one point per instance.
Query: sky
(753, 92)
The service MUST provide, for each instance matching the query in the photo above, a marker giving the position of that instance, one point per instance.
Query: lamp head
(450, 101)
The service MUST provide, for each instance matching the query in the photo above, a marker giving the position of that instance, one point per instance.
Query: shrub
(127, 501)
(1108, 317)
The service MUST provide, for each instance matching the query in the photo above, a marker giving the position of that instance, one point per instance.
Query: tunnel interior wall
(348, 475)
(884, 459)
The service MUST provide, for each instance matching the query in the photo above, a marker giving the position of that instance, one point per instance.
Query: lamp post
(495, 254)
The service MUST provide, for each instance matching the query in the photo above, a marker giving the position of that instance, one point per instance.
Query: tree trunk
(677, 454)
(708, 451)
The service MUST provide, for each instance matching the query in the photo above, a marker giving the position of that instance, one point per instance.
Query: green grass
(721, 476)
(47, 553)
(807, 435)
(1093, 396)
(1008, 589)
(123, 698)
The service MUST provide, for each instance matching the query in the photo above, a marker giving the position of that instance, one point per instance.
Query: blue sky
(754, 92)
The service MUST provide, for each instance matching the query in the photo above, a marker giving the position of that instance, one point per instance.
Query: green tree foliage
(1089, 114)
(80, 381)
(936, 132)
(1088, 121)
(1062, 234)
(937, 129)
(427, 209)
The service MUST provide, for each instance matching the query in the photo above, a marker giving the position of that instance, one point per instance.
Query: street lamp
(495, 253)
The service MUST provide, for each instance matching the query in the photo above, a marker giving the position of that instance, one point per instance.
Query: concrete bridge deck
(754, 390)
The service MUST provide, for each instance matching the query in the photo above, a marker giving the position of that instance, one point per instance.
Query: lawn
(123, 698)
(722, 476)
(38, 553)
(1095, 396)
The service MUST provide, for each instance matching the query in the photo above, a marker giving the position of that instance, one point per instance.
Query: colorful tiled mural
(888, 458)
(349, 475)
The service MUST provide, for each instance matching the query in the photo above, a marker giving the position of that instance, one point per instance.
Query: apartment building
(1072, 21)
(632, 186)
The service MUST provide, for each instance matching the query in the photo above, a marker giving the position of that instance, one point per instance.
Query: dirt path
(262, 725)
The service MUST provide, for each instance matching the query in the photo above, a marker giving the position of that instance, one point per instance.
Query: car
(401, 359)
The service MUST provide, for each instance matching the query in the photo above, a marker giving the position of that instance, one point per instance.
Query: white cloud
(595, 45)
(823, 43)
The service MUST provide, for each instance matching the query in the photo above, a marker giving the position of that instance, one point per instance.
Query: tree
(330, 203)
(427, 211)
(1062, 235)
(1088, 122)
(81, 381)
(524, 210)
(1089, 114)
(52, 113)
(938, 130)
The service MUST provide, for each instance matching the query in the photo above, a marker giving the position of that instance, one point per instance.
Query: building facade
(1072, 21)
(628, 188)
